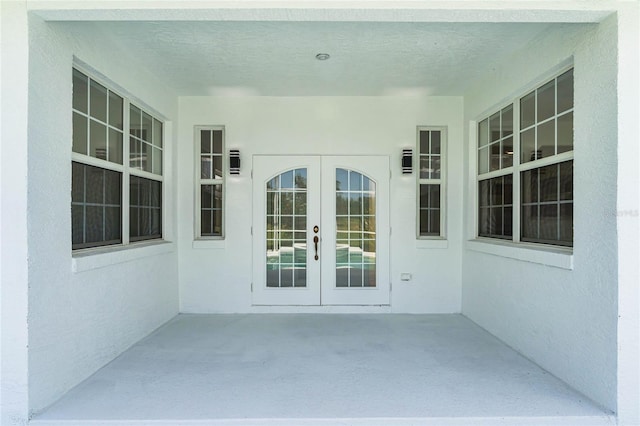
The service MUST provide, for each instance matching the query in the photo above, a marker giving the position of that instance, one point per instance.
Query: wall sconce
(407, 161)
(234, 162)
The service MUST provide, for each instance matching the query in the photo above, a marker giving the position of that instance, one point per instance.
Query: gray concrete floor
(297, 369)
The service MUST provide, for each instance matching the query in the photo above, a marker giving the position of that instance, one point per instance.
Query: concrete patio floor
(299, 369)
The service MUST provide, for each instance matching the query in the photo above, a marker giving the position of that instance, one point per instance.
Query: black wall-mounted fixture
(407, 161)
(234, 162)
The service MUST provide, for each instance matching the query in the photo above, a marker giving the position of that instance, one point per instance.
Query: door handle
(315, 243)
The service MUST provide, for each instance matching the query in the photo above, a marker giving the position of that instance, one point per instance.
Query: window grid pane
(547, 204)
(429, 210)
(546, 126)
(145, 141)
(97, 120)
(495, 200)
(211, 157)
(495, 141)
(211, 210)
(95, 206)
(145, 207)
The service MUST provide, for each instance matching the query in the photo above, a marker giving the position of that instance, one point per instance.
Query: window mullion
(197, 223)
(516, 197)
(126, 146)
(96, 162)
(198, 215)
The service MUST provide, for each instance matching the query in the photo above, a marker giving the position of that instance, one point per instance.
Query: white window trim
(101, 257)
(555, 256)
(545, 254)
(208, 241)
(433, 241)
(87, 259)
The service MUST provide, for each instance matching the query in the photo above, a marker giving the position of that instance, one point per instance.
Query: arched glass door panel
(355, 229)
(286, 229)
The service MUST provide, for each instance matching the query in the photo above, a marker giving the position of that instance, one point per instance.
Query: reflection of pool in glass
(287, 266)
(354, 255)
(355, 267)
(296, 254)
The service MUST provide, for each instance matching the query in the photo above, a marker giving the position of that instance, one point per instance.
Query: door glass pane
(355, 230)
(286, 202)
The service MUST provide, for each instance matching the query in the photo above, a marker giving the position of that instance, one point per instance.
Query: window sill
(217, 243)
(89, 259)
(432, 243)
(558, 257)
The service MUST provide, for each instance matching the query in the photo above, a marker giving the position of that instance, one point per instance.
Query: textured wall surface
(565, 320)
(218, 279)
(14, 87)
(628, 215)
(79, 321)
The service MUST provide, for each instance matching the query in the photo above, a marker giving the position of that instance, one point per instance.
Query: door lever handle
(315, 243)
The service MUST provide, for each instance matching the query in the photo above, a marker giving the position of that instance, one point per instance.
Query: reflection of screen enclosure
(355, 230)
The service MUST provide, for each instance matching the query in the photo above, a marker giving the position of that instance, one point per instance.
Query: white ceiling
(278, 58)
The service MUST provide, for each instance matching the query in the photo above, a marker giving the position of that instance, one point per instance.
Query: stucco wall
(218, 279)
(628, 214)
(550, 315)
(564, 320)
(13, 214)
(79, 321)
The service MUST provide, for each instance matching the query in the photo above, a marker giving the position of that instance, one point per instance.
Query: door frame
(321, 211)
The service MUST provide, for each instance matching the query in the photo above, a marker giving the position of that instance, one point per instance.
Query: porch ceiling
(270, 58)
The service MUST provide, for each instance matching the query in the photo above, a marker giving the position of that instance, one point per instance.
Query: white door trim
(321, 210)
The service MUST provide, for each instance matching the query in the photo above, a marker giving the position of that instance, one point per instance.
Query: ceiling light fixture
(322, 56)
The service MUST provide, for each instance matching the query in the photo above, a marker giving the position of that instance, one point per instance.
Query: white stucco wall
(218, 279)
(628, 409)
(79, 321)
(564, 320)
(14, 47)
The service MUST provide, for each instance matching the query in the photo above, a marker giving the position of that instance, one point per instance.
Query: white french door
(320, 230)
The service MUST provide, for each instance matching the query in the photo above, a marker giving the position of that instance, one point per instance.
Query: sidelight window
(431, 178)
(210, 181)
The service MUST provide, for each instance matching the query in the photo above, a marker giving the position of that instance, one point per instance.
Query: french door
(320, 230)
